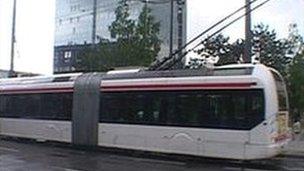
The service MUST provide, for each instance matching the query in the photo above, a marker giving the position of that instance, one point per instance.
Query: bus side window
(2, 105)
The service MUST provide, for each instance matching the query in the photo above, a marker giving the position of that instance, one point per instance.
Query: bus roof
(227, 70)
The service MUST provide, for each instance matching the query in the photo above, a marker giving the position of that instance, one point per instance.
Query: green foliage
(219, 49)
(296, 85)
(271, 51)
(217, 46)
(295, 40)
(95, 59)
(136, 42)
(86, 60)
(147, 41)
(123, 28)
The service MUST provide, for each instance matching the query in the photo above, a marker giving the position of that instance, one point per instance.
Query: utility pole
(94, 23)
(171, 27)
(180, 31)
(180, 17)
(13, 40)
(248, 35)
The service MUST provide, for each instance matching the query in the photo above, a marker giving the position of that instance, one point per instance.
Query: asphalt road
(25, 156)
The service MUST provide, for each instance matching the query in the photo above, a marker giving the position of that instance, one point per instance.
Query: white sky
(278, 14)
(34, 34)
(35, 26)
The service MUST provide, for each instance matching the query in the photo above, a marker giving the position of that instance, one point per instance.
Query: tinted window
(37, 106)
(130, 108)
(207, 109)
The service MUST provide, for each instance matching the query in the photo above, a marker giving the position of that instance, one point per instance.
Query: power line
(158, 63)
(170, 61)
(223, 28)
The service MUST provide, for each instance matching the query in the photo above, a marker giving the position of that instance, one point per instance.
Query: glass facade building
(74, 25)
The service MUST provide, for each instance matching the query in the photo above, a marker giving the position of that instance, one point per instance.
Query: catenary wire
(163, 65)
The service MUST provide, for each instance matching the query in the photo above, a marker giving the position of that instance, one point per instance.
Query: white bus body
(155, 112)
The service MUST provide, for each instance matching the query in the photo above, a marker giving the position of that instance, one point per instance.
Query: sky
(34, 35)
(36, 18)
(278, 14)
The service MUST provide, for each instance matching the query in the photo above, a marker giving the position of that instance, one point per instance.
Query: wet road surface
(29, 156)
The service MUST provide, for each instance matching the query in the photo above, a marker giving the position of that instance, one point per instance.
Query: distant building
(74, 26)
(65, 57)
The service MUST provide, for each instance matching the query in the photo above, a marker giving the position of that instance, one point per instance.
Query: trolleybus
(233, 111)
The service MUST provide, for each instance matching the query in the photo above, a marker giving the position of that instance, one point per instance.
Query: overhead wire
(161, 65)
(158, 63)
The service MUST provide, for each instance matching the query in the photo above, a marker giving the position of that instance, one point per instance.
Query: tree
(234, 55)
(267, 48)
(123, 28)
(219, 50)
(296, 72)
(296, 85)
(98, 58)
(215, 47)
(148, 43)
(270, 50)
(295, 40)
(136, 42)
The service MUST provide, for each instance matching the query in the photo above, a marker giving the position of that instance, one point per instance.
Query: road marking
(9, 149)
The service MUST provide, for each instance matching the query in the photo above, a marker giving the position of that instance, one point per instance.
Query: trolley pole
(248, 35)
(13, 40)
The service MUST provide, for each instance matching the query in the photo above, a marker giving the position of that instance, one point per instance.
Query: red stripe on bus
(176, 86)
(149, 87)
(37, 90)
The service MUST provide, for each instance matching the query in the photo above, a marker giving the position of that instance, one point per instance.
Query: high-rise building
(74, 26)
